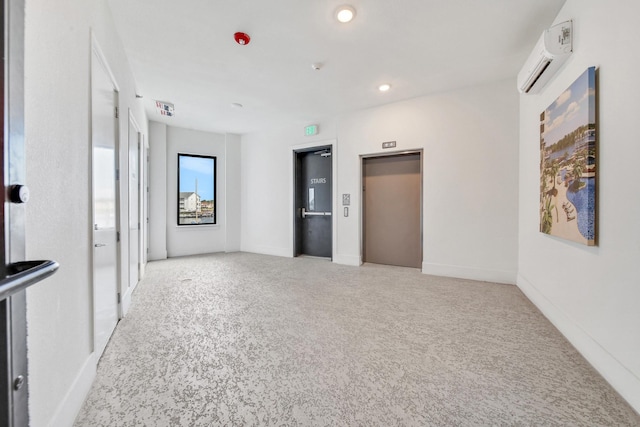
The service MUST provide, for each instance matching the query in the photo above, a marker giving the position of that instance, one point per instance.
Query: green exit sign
(311, 130)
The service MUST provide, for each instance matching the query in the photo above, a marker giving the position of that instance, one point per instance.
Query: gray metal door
(392, 210)
(313, 203)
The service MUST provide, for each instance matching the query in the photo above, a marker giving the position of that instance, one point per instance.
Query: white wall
(157, 191)
(232, 192)
(470, 147)
(470, 176)
(165, 142)
(267, 186)
(591, 293)
(57, 136)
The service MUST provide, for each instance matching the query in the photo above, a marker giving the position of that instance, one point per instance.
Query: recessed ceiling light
(384, 87)
(345, 14)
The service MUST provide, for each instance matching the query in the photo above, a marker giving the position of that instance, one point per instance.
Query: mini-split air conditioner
(552, 50)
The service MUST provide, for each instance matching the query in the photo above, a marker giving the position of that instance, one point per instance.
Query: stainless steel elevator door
(391, 210)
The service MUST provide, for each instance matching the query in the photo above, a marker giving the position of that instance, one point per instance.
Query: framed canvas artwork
(568, 136)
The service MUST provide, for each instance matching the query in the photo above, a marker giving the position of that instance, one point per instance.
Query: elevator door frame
(363, 157)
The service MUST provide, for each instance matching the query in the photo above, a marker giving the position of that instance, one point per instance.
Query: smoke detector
(242, 38)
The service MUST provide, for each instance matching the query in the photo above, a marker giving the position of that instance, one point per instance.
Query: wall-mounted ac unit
(552, 50)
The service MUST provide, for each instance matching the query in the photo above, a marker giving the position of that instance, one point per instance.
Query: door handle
(22, 274)
(305, 214)
(99, 245)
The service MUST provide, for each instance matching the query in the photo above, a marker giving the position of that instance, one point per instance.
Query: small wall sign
(388, 144)
(311, 130)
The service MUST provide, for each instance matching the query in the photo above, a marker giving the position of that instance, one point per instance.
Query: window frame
(208, 188)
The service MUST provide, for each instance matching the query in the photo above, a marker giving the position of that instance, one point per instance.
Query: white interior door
(104, 99)
(144, 214)
(134, 204)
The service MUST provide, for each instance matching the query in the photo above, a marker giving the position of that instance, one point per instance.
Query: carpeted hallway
(249, 340)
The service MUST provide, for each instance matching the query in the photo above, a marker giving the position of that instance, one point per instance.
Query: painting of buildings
(568, 163)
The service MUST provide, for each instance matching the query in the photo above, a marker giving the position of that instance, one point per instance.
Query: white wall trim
(157, 255)
(72, 402)
(126, 300)
(620, 378)
(102, 59)
(268, 250)
(483, 274)
(353, 260)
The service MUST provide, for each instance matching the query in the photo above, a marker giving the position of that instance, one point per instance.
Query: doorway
(392, 209)
(313, 201)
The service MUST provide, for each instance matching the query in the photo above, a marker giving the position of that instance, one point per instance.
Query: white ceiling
(183, 52)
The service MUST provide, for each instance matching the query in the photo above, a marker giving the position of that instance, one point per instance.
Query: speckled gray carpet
(249, 340)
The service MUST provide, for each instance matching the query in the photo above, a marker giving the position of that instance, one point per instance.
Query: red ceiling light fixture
(242, 38)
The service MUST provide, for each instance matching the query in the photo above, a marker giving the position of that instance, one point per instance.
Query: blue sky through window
(197, 168)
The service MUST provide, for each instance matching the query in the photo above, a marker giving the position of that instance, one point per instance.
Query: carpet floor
(250, 340)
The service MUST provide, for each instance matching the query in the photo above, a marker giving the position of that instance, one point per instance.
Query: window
(196, 189)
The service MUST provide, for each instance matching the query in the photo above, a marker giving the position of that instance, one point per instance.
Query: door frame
(308, 146)
(98, 54)
(14, 401)
(144, 200)
(418, 151)
(127, 288)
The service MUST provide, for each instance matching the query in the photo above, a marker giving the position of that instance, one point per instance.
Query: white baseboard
(231, 247)
(72, 402)
(485, 275)
(616, 374)
(125, 303)
(157, 255)
(268, 250)
(353, 260)
(143, 269)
